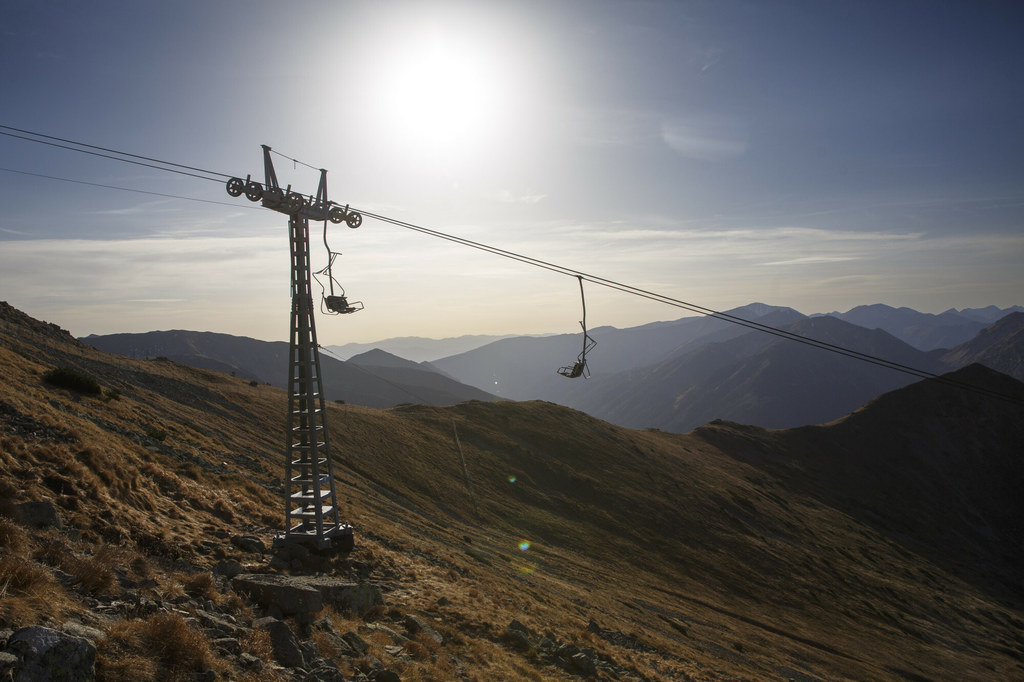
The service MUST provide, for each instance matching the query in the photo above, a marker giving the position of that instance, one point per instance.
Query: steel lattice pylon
(311, 504)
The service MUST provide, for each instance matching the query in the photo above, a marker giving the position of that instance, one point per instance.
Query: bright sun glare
(442, 96)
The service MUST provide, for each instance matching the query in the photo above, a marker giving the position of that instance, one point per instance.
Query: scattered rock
(84, 631)
(519, 636)
(416, 625)
(518, 640)
(584, 664)
(45, 654)
(355, 642)
(249, 543)
(41, 514)
(396, 637)
(250, 662)
(385, 676)
(228, 645)
(228, 568)
(324, 673)
(283, 642)
(8, 664)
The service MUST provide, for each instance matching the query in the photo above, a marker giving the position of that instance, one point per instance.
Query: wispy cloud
(507, 196)
(706, 137)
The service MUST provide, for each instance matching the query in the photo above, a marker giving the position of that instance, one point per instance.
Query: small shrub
(73, 380)
(155, 433)
(112, 394)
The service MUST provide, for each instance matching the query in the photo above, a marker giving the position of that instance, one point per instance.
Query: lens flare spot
(511, 479)
(524, 545)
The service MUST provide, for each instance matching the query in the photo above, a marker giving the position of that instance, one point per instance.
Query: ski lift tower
(311, 504)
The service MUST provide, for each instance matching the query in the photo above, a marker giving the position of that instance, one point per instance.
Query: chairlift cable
(118, 158)
(127, 189)
(660, 298)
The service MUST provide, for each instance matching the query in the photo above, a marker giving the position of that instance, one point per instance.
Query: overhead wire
(128, 189)
(692, 307)
(294, 160)
(167, 165)
(522, 258)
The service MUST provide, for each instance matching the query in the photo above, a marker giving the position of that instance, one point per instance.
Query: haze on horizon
(812, 155)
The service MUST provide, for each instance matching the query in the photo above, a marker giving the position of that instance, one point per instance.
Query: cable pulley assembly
(579, 368)
(292, 203)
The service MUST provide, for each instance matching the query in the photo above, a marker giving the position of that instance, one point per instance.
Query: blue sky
(819, 155)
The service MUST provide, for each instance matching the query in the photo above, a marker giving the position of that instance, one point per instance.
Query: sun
(443, 96)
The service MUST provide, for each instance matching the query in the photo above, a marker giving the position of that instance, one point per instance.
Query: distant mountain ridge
(267, 362)
(418, 348)
(671, 375)
(926, 331)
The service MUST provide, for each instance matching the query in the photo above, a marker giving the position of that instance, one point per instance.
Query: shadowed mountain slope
(933, 466)
(1000, 347)
(731, 552)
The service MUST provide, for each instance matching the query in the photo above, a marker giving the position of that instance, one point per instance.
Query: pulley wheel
(295, 202)
(253, 191)
(236, 186)
(354, 219)
(336, 215)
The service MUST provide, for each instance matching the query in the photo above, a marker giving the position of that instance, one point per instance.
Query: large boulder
(343, 595)
(41, 514)
(45, 654)
(279, 593)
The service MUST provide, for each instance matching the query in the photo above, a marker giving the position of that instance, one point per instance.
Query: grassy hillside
(666, 556)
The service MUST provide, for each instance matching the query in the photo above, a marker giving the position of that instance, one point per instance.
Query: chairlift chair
(579, 368)
(340, 304)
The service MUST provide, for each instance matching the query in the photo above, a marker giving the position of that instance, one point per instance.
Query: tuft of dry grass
(13, 537)
(257, 643)
(94, 573)
(202, 585)
(28, 592)
(160, 647)
(7, 495)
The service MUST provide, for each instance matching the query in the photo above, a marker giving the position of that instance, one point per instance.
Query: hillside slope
(664, 556)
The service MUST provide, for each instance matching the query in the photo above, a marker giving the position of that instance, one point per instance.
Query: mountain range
(535, 541)
(673, 376)
(374, 379)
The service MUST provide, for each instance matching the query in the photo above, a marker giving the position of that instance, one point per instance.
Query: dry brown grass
(682, 520)
(257, 643)
(28, 592)
(160, 647)
(13, 537)
(200, 585)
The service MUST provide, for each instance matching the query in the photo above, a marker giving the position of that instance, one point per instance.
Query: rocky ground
(257, 615)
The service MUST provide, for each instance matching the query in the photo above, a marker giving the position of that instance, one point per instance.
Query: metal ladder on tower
(311, 509)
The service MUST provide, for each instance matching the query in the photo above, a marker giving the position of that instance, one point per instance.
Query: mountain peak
(381, 358)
